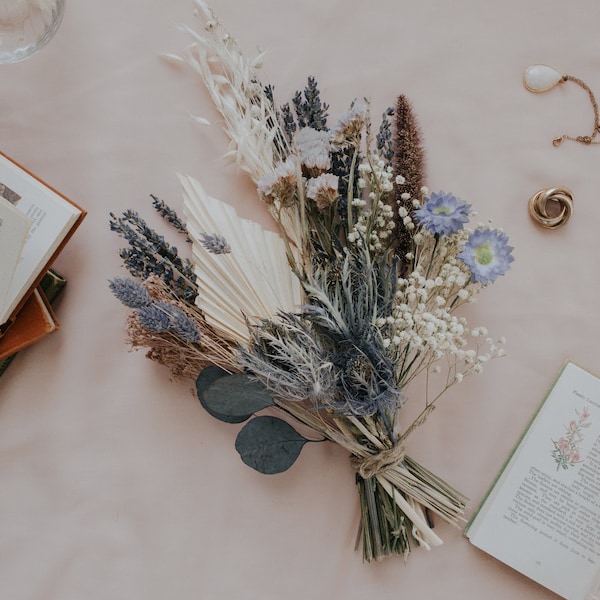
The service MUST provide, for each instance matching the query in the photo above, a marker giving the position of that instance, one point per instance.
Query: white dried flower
(348, 129)
(313, 148)
(323, 189)
(281, 184)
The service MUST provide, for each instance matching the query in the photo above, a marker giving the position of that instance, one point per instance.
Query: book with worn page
(52, 220)
(542, 515)
(14, 228)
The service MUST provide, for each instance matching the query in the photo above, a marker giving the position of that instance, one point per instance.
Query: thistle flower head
(443, 214)
(487, 254)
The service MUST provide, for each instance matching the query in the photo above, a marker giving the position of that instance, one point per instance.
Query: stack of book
(36, 222)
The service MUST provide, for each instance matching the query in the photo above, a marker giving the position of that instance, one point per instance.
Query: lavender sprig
(130, 292)
(169, 214)
(384, 137)
(150, 254)
(155, 316)
(162, 317)
(311, 112)
(215, 243)
(288, 122)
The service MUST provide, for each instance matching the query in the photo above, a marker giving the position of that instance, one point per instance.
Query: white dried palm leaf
(252, 281)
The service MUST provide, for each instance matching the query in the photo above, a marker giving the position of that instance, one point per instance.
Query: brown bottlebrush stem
(409, 157)
(409, 161)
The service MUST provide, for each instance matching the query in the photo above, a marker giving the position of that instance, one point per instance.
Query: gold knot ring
(551, 208)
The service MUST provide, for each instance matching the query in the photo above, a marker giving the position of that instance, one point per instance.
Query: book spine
(52, 285)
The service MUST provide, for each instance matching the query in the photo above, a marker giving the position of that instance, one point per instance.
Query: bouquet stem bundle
(395, 491)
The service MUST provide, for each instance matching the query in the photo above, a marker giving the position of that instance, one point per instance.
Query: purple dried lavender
(130, 292)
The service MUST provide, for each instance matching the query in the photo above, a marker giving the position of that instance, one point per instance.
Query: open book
(35, 223)
(542, 515)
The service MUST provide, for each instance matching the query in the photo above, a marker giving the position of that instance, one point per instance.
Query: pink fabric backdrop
(114, 484)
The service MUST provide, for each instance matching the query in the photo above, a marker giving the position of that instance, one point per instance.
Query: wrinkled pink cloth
(114, 483)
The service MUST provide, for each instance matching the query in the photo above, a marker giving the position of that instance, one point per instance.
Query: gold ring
(560, 198)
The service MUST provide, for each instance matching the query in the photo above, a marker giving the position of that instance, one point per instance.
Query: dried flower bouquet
(331, 319)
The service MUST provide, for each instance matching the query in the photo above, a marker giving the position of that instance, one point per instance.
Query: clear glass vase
(26, 26)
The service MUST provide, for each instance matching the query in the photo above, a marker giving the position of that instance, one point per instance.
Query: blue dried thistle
(345, 302)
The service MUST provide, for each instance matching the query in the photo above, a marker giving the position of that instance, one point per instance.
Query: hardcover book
(37, 221)
(542, 515)
(35, 320)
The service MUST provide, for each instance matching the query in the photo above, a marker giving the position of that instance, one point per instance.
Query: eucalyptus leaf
(231, 398)
(269, 445)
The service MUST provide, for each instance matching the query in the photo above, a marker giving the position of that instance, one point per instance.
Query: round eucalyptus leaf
(232, 398)
(269, 445)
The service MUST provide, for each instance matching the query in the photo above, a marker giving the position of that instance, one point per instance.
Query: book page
(14, 227)
(542, 517)
(51, 219)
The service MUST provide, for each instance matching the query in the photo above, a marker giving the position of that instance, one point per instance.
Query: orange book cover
(34, 322)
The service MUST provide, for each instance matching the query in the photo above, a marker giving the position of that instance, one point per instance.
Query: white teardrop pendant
(541, 78)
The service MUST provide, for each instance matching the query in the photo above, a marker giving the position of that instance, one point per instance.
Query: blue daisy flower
(487, 254)
(443, 214)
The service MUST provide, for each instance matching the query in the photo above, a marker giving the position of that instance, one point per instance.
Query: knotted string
(374, 464)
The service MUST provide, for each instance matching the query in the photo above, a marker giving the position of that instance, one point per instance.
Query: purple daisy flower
(487, 254)
(443, 214)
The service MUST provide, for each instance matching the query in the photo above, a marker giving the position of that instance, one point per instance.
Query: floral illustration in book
(566, 451)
